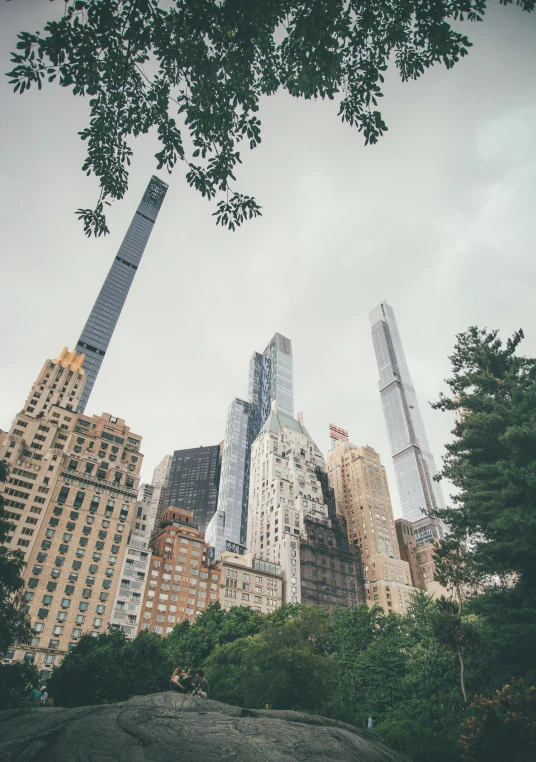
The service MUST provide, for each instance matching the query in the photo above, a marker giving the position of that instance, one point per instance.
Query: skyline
(339, 220)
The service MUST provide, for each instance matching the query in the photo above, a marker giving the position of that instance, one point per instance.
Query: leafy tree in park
(15, 681)
(502, 727)
(14, 626)
(190, 644)
(492, 459)
(196, 70)
(286, 665)
(111, 668)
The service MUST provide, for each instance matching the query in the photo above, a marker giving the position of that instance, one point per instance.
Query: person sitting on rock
(174, 681)
(201, 684)
(180, 681)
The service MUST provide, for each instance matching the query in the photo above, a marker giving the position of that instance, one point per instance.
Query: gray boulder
(167, 727)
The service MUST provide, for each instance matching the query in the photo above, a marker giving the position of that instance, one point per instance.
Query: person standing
(369, 722)
(44, 696)
(34, 697)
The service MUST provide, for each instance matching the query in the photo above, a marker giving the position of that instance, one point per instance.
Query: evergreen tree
(492, 459)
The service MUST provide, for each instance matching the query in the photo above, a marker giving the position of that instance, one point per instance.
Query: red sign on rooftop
(335, 432)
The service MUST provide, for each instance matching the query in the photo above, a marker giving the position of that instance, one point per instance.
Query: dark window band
(100, 352)
(145, 217)
(129, 264)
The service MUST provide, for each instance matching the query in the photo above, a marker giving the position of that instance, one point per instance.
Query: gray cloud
(437, 219)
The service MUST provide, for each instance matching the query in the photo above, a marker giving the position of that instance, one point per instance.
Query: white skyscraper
(283, 489)
(413, 462)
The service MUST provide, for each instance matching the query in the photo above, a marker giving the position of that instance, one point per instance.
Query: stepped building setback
(76, 479)
(289, 522)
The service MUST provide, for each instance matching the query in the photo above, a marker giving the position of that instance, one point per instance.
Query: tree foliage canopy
(196, 70)
(492, 459)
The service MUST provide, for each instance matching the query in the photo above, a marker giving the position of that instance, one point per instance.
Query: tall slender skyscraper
(98, 331)
(413, 462)
(270, 380)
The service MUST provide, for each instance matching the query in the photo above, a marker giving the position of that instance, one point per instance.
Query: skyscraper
(413, 462)
(359, 481)
(270, 379)
(291, 523)
(98, 331)
(227, 524)
(193, 483)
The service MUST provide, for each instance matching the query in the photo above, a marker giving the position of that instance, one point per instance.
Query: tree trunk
(462, 673)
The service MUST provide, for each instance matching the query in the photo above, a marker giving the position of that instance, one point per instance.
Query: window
(65, 603)
(62, 497)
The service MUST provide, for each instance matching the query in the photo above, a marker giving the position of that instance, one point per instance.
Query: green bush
(15, 682)
(502, 727)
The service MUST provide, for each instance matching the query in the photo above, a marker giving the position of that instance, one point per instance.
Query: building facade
(134, 572)
(35, 444)
(98, 331)
(285, 501)
(193, 482)
(181, 584)
(359, 481)
(407, 547)
(248, 581)
(90, 469)
(227, 527)
(158, 497)
(413, 462)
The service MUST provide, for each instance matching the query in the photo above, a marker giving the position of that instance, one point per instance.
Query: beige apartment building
(419, 556)
(248, 581)
(407, 546)
(359, 481)
(181, 585)
(72, 494)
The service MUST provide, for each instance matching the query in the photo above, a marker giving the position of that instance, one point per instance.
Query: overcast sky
(438, 219)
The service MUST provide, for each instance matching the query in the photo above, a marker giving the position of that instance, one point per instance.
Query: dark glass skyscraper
(193, 482)
(98, 331)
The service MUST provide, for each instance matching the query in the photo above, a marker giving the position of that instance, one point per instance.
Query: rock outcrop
(167, 727)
